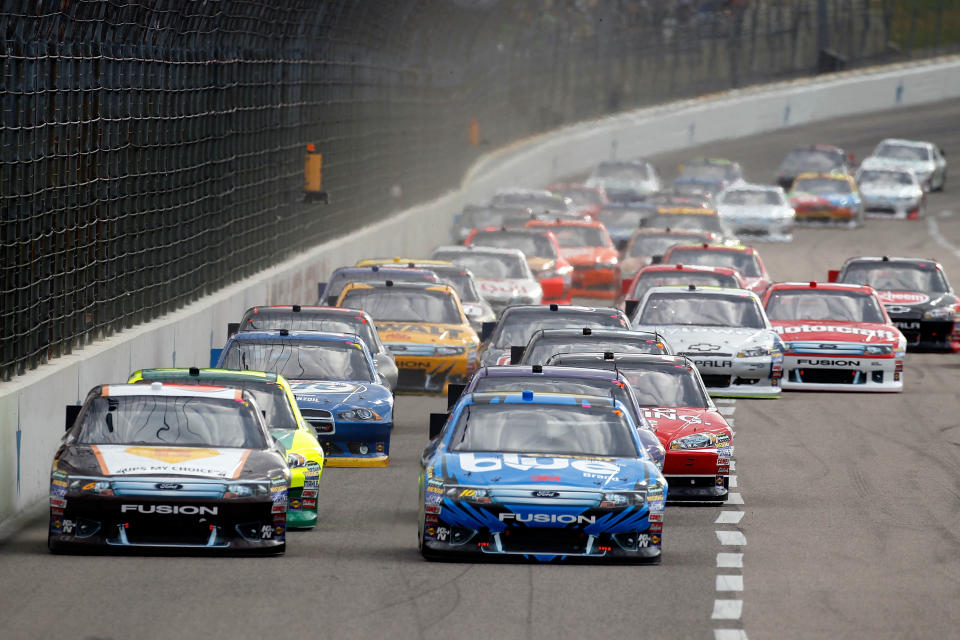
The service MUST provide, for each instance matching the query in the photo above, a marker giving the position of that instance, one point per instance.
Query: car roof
(712, 246)
(626, 357)
(193, 373)
(547, 371)
(406, 286)
(753, 186)
(907, 143)
(688, 268)
(461, 249)
(298, 335)
(601, 332)
(828, 175)
(892, 259)
(827, 286)
(558, 308)
(308, 309)
(708, 290)
(539, 397)
(217, 392)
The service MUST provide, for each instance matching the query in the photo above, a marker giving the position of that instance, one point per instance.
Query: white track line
(734, 482)
(727, 410)
(727, 609)
(733, 465)
(934, 230)
(729, 634)
(734, 498)
(730, 561)
(731, 538)
(729, 583)
(729, 517)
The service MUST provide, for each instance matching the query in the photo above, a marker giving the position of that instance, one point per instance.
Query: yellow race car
(424, 326)
(275, 397)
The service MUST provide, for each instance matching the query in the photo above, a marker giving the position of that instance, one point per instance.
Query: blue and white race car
(336, 384)
(539, 476)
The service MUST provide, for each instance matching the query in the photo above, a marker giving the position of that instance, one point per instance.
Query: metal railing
(152, 150)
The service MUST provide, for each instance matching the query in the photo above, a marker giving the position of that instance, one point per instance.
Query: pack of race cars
(569, 426)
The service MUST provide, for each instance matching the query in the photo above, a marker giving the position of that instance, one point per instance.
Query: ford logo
(546, 494)
(169, 486)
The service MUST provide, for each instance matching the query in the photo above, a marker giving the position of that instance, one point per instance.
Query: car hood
(701, 340)
(833, 331)
(489, 469)
(884, 190)
(425, 333)
(671, 423)
(507, 288)
(221, 463)
(752, 211)
(334, 394)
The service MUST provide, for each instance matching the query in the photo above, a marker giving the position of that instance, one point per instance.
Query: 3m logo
(172, 456)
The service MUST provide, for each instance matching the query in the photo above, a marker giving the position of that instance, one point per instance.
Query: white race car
(724, 331)
(503, 275)
(756, 211)
(889, 192)
(925, 159)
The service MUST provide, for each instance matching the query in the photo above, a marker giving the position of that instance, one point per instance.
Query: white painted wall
(32, 406)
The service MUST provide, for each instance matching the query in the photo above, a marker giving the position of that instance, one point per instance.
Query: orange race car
(595, 259)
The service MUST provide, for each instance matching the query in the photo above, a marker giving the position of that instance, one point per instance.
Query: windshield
(657, 245)
(517, 328)
(662, 278)
(460, 280)
(554, 430)
(270, 397)
(811, 161)
(540, 350)
(686, 221)
(667, 385)
(580, 236)
(878, 177)
(171, 420)
(903, 152)
(301, 359)
(706, 172)
(340, 279)
(822, 186)
(616, 218)
(487, 266)
(532, 245)
(745, 263)
(560, 384)
(404, 305)
(758, 198)
(800, 304)
(265, 319)
(890, 276)
(704, 310)
(614, 172)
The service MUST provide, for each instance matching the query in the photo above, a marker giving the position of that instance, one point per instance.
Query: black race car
(916, 294)
(161, 466)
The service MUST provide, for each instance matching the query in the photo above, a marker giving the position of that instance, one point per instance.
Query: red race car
(595, 259)
(543, 254)
(838, 337)
(744, 259)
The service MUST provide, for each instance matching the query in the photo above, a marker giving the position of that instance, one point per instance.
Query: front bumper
(895, 209)
(357, 444)
(698, 475)
(731, 377)
(928, 335)
(827, 215)
(820, 372)
(302, 498)
(761, 229)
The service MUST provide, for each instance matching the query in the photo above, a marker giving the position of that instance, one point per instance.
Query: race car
(595, 260)
(660, 275)
(925, 159)
(647, 246)
(626, 180)
(724, 331)
(890, 193)
(161, 466)
(744, 259)
(331, 319)
(425, 328)
(282, 415)
(706, 176)
(479, 217)
(838, 337)
(697, 439)
(758, 211)
(621, 220)
(335, 383)
(916, 294)
(814, 158)
(477, 309)
(503, 275)
(329, 292)
(566, 379)
(686, 219)
(588, 201)
(543, 255)
(829, 198)
(545, 343)
(539, 476)
(518, 323)
(538, 201)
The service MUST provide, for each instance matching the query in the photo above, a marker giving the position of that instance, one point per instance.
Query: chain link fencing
(152, 150)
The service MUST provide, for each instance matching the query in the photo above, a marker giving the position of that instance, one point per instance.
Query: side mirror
(437, 420)
(215, 357)
(943, 153)
(232, 329)
(516, 354)
(486, 330)
(656, 259)
(454, 391)
(630, 307)
(321, 287)
(621, 244)
(332, 301)
(851, 158)
(73, 410)
(833, 275)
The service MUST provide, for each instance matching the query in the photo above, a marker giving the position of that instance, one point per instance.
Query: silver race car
(503, 275)
(756, 211)
(925, 159)
(890, 192)
(724, 331)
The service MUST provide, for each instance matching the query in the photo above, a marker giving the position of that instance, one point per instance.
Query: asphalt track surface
(851, 509)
